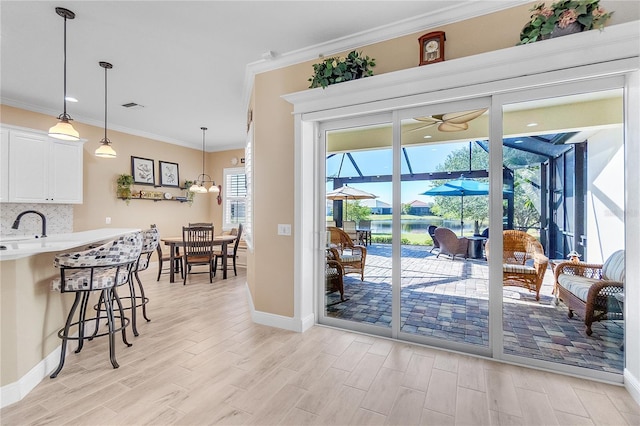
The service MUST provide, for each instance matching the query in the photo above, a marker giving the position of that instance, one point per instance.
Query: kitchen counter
(19, 247)
(30, 312)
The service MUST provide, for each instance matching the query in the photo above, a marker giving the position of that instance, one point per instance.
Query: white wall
(605, 194)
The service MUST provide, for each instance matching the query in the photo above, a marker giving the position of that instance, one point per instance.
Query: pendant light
(105, 150)
(199, 184)
(64, 130)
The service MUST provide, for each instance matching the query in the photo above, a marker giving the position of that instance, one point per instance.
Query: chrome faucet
(16, 223)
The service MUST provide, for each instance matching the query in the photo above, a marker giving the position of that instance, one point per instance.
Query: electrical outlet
(284, 229)
(107, 220)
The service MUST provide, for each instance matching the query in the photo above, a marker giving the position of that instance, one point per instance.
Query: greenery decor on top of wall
(562, 18)
(336, 70)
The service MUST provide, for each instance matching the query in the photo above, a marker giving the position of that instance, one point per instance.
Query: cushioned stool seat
(102, 269)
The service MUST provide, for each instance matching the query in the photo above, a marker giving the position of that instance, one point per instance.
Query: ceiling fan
(450, 122)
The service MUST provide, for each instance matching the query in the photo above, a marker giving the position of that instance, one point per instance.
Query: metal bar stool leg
(83, 315)
(123, 319)
(143, 298)
(108, 301)
(134, 306)
(64, 333)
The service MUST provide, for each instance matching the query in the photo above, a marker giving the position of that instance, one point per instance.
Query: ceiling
(187, 63)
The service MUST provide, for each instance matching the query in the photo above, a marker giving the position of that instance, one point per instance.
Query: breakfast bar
(31, 314)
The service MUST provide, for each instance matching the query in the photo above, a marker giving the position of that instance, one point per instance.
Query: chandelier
(199, 184)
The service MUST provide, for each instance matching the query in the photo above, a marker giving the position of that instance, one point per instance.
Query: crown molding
(451, 14)
(599, 49)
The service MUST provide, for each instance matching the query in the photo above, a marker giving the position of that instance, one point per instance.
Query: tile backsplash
(59, 218)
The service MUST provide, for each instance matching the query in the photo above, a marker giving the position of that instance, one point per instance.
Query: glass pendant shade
(105, 150)
(64, 131)
(214, 188)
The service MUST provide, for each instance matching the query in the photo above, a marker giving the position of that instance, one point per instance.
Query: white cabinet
(44, 170)
(4, 169)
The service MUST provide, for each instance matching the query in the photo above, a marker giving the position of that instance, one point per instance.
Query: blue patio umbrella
(460, 187)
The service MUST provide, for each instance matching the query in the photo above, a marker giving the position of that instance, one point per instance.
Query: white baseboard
(272, 320)
(14, 392)
(632, 384)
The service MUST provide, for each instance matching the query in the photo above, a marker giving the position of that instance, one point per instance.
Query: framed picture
(169, 174)
(142, 171)
(432, 47)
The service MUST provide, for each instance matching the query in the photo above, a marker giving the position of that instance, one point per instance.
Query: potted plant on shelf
(562, 18)
(124, 181)
(187, 185)
(336, 70)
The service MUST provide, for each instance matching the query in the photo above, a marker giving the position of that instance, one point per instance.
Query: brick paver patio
(449, 299)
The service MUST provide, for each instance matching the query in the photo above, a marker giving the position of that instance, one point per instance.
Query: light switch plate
(284, 229)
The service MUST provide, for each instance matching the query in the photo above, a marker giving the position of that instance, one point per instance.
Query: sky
(423, 158)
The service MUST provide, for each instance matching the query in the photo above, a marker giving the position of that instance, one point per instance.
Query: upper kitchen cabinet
(4, 170)
(43, 170)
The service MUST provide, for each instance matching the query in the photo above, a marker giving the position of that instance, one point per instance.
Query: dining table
(218, 240)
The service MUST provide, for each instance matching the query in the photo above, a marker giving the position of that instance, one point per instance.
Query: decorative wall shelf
(156, 196)
(179, 199)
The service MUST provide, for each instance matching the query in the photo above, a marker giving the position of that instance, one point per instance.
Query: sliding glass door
(563, 158)
(407, 200)
(357, 227)
(444, 296)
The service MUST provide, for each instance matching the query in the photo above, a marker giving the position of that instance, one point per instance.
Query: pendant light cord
(105, 103)
(204, 129)
(64, 108)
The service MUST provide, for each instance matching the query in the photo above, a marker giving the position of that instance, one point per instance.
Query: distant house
(419, 208)
(377, 206)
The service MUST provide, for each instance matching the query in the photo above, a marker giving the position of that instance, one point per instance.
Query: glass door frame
(495, 102)
(592, 85)
(321, 179)
(479, 102)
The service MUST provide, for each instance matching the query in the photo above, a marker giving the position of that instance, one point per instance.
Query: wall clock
(432, 47)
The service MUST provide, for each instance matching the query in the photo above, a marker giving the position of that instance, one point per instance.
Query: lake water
(418, 226)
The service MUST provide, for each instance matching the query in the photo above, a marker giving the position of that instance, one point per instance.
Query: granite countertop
(19, 247)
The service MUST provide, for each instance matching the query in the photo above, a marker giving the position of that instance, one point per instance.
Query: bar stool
(149, 245)
(96, 269)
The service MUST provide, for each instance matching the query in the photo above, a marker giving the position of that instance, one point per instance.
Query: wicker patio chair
(588, 288)
(432, 234)
(333, 273)
(351, 256)
(450, 243)
(523, 261)
(349, 226)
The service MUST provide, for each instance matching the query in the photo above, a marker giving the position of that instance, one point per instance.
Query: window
(235, 196)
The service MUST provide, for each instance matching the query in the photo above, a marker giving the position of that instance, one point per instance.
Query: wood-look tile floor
(201, 360)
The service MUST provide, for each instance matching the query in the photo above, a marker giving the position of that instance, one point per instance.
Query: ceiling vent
(132, 105)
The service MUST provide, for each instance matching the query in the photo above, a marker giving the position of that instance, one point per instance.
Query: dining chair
(218, 254)
(197, 244)
(166, 258)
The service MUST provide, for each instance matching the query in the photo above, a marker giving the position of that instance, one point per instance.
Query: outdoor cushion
(347, 258)
(518, 269)
(577, 285)
(613, 268)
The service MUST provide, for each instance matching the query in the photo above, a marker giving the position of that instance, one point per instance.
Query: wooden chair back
(197, 240)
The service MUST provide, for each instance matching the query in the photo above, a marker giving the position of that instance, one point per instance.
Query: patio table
(476, 245)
